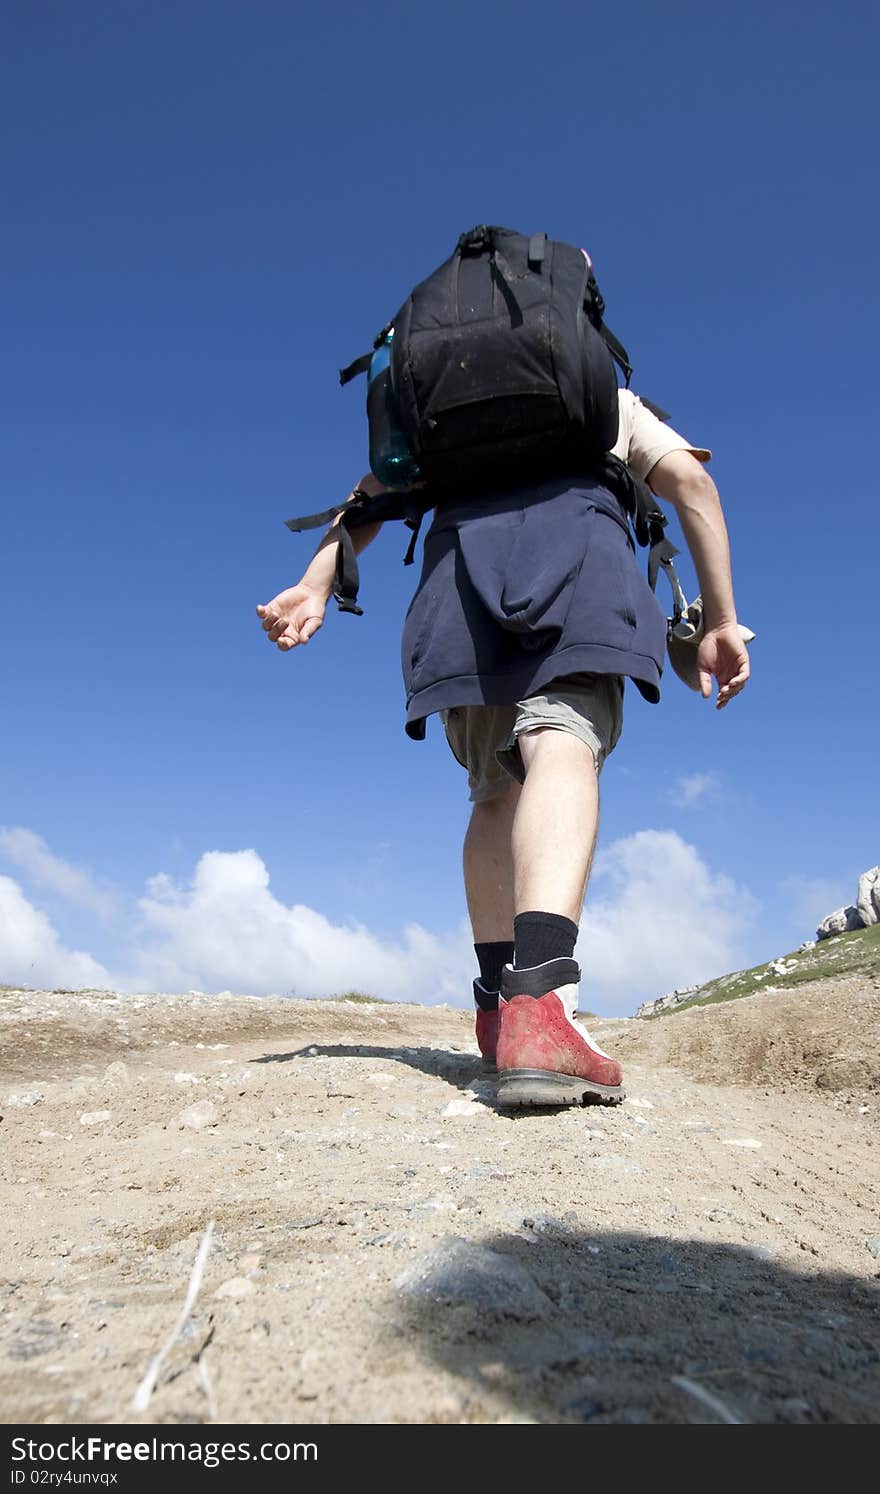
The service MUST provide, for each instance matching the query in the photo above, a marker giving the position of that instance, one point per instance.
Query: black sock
(541, 937)
(492, 957)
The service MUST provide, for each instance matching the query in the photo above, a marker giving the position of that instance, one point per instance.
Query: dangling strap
(348, 577)
(414, 512)
(679, 600)
(314, 521)
(649, 523)
(359, 366)
(364, 508)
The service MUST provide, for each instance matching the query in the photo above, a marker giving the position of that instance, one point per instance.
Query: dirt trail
(389, 1248)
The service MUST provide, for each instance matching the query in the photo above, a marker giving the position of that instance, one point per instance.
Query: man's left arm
(683, 481)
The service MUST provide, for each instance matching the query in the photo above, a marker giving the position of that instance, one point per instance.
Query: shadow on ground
(459, 1069)
(558, 1326)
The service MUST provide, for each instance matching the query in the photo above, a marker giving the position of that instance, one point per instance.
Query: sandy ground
(387, 1247)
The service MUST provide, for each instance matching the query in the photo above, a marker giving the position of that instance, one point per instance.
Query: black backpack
(501, 363)
(501, 369)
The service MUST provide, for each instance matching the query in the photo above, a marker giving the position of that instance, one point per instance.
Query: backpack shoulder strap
(594, 304)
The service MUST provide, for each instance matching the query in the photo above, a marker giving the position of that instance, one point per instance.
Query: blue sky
(211, 207)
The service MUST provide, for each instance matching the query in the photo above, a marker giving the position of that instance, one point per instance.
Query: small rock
(457, 1273)
(535, 1225)
(761, 1252)
(202, 1113)
(874, 1246)
(117, 1073)
(95, 1117)
(34, 1338)
(249, 1262)
(184, 1078)
(745, 1141)
(25, 1097)
(615, 1162)
(235, 1289)
(436, 1206)
(466, 1107)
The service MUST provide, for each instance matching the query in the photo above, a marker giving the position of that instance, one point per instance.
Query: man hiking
(530, 613)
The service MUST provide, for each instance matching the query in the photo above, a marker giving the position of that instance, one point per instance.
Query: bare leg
(544, 1058)
(554, 829)
(488, 867)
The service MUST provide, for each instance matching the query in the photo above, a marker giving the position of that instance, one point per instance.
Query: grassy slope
(845, 954)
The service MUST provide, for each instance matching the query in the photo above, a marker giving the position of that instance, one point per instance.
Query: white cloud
(30, 853)
(30, 954)
(663, 921)
(656, 918)
(693, 789)
(228, 932)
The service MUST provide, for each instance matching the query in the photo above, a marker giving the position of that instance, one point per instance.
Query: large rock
(841, 921)
(868, 900)
(457, 1273)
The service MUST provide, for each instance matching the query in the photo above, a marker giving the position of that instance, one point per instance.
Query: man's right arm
(684, 482)
(295, 614)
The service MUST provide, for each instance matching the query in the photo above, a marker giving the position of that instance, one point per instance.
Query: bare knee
(551, 742)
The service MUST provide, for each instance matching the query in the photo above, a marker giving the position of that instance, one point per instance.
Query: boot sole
(523, 1087)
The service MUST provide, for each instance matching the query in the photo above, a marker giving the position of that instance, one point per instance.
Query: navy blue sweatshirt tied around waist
(524, 587)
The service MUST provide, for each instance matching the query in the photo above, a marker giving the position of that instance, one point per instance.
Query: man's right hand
(294, 616)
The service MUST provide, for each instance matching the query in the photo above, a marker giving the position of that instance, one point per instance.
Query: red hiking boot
(543, 1056)
(487, 1023)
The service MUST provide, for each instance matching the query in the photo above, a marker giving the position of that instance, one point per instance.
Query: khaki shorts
(484, 738)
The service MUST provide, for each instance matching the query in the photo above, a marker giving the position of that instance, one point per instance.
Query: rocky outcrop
(868, 900)
(841, 921)
(667, 1003)
(862, 914)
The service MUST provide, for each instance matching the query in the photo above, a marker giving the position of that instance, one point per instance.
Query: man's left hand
(723, 656)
